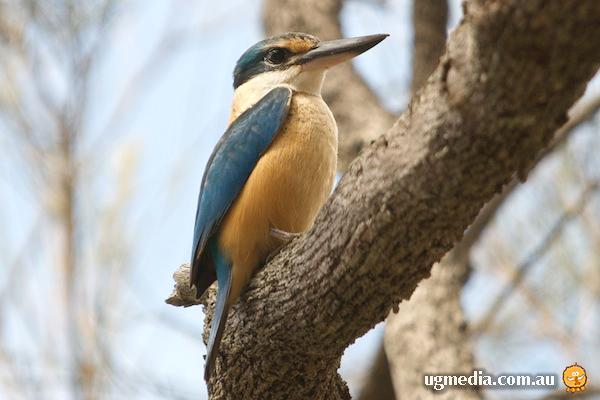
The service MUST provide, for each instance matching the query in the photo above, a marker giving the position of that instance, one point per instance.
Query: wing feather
(227, 170)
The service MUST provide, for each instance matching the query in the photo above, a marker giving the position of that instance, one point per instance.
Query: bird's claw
(283, 235)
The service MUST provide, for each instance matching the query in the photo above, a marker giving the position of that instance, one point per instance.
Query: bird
(273, 168)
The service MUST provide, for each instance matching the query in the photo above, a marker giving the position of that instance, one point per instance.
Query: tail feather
(220, 315)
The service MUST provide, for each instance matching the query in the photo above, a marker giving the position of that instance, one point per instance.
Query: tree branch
(510, 72)
(424, 308)
(430, 18)
(378, 385)
(578, 114)
(433, 317)
(429, 334)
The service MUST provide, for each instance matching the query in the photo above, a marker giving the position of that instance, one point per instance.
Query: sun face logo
(575, 378)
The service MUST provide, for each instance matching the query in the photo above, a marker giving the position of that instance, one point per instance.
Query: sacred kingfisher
(272, 169)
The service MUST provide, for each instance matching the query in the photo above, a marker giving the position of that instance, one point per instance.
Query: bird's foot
(283, 235)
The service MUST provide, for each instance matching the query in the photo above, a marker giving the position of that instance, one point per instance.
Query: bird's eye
(276, 56)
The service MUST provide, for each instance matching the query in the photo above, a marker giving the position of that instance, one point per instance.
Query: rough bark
(509, 74)
(435, 340)
(356, 109)
(358, 113)
(433, 316)
(436, 302)
(429, 332)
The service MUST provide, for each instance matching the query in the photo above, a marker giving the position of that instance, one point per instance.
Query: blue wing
(227, 170)
(223, 267)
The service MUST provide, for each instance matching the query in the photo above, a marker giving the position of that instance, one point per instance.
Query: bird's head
(296, 60)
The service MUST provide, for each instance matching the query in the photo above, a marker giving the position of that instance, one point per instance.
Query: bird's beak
(330, 53)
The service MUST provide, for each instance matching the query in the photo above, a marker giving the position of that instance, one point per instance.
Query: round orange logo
(575, 378)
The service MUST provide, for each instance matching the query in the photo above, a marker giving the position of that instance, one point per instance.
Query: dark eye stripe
(276, 56)
(258, 59)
